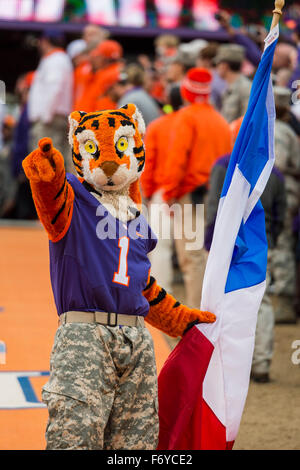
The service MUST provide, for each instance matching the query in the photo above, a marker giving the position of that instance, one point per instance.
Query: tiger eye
(90, 147)
(122, 144)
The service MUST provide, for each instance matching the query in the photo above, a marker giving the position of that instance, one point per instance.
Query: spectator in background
(253, 49)
(183, 60)
(176, 68)
(113, 87)
(206, 60)
(229, 61)
(156, 144)
(24, 205)
(285, 57)
(199, 136)
(93, 35)
(7, 183)
(282, 81)
(106, 62)
(78, 53)
(297, 301)
(287, 151)
(76, 50)
(166, 46)
(136, 94)
(50, 96)
(282, 77)
(274, 202)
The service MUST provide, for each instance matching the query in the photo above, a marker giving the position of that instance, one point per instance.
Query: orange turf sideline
(28, 322)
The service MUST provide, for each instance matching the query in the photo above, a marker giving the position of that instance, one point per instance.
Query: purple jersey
(101, 264)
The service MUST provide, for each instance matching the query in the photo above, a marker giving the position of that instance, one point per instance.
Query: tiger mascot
(102, 390)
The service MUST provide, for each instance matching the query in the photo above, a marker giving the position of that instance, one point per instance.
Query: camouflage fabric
(235, 99)
(287, 151)
(283, 258)
(264, 335)
(102, 391)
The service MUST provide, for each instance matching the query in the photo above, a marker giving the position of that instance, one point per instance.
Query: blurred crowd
(193, 97)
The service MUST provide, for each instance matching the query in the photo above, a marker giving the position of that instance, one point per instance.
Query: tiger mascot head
(107, 148)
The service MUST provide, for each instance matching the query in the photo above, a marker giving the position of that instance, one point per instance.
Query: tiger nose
(109, 168)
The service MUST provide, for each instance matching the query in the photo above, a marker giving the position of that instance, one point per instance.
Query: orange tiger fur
(103, 126)
(171, 316)
(52, 194)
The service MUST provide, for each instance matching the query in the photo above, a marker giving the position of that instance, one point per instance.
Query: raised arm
(52, 194)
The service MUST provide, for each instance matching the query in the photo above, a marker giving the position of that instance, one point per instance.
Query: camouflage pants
(264, 336)
(283, 259)
(102, 391)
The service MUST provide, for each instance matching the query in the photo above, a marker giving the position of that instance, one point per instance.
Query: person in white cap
(76, 50)
(51, 93)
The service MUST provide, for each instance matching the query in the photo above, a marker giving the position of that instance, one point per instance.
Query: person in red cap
(106, 64)
(200, 135)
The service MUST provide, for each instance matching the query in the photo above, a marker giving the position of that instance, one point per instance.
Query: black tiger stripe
(118, 113)
(137, 150)
(141, 159)
(111, 122)
(77, 156)
(177, 304)
(53, 221)
(80, 129)
(78, 169)
(120, 154)
(90, 188)
(141, 164)
(126, 122)
(88, 117)
(162, 294)
(95, 124)
(77, 166)
(150, 283)
(61, 189)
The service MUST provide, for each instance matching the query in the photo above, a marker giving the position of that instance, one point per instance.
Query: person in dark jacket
(24, 206)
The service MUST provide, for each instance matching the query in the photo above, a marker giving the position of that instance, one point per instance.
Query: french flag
(204, 383)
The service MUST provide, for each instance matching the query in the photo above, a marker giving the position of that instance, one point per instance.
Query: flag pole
(279, 4)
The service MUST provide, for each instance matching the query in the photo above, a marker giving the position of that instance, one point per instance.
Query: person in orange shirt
(200, 135)
(105, 61)
(79, 54)
(110, 90)
(157, 134)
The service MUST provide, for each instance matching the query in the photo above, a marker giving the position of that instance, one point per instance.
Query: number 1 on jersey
(120, 277)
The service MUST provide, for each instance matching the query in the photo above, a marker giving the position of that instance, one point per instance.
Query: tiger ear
(136, 115)
(74, 120)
